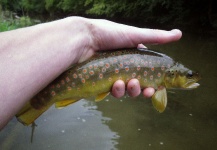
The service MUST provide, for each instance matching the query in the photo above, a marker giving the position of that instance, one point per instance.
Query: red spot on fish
(69, 88)
(132, 60)
(91, 72)
(53, 93)
(95, 66)
(100, 75)
(121, 65)
(116, 70)
(145, 73)
(80, 75)
(58, 85)
(138, 77)
(101, 63)
(84, 71)
(151, 77)
(159, 74)
(162, 67)
(75, 76)
(67, 79)
(90, 67)
(107, 65)
(62, 82)
(73, 84)
(152, 68)
(138, 67)
(133, 75)
(115, 60)
(87, 76)
(103, 70)
(127, 68)
(83, 80)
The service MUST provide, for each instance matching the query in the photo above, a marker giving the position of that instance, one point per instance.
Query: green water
(189, 122)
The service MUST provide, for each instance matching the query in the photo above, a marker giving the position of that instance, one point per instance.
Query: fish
(95, 77)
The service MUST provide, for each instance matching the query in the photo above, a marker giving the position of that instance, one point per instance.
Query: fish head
(179, 76)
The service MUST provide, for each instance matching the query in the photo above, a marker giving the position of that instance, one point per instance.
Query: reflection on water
(189, 121)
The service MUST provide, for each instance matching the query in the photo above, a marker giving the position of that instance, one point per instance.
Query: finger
(133, 88)
(122, 36)
(118, 89)
(148, 92)
(142, 46)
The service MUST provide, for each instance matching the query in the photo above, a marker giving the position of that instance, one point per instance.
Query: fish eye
(189, 74)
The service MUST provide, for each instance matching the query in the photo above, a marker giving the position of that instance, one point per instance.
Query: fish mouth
(193, 86)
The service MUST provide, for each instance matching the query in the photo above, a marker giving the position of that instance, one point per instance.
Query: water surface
(189, 121)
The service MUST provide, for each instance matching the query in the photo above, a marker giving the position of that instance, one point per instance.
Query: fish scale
(96, 76)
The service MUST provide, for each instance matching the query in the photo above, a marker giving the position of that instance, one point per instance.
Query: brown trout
(95, 77)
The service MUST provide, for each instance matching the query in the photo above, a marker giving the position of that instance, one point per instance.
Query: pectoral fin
(101, 96)
(64, 103)
(159, 99)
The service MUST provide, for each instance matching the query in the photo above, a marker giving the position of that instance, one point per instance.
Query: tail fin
(28, 114)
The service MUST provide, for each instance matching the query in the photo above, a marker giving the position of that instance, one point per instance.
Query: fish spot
(131, 60)
(93, 83)
(100, 75)
(69, 88)
(138, 77)
(107, 65)
(127, 68)
(73, 84)
(95, 66)
(138, 67)
(67, 79)
(87, 76)
(91, 72)
(121, 65)
(101, 63)
(53, 93)
(80, 75)
(58, 85)
(75, 76)
(52, 86)
(168, 66)
(162, 67)
(115, 60)
(152, 68)
(103, 69)
(83, 80)
(116, 70)
(84, 71)
(151, 77)
(145, 73)
(62, 82)
(90, 66)
(159, 74)
(134, 75)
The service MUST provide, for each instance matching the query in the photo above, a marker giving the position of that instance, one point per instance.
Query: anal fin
(101, 96)
(64, 103)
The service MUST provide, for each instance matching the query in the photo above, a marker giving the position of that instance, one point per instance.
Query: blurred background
(189, 122)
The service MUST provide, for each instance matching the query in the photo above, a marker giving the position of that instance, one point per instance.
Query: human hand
(109, 35)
